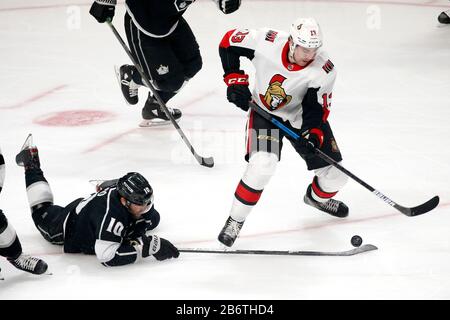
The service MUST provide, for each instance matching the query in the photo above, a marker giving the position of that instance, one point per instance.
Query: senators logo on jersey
(275, 96)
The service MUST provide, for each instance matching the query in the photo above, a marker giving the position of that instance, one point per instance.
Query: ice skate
(29, 264)
(153, 115)
(230, 232)
(129, 88)
(444, 17)
(28, 156)
(333, 207)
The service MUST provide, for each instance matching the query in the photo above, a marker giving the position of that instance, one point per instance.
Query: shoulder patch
(328, 66)
(271, 35)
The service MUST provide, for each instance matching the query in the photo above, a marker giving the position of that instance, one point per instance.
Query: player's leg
(327, 180)
(11, 249)
(264, 145)
(186, 49)
(162, 68)
(47, 217)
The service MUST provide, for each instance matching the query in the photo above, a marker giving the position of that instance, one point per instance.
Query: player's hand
(160, 248)
(228, 6)
(238, 91)
(310, 140)
(102, 11)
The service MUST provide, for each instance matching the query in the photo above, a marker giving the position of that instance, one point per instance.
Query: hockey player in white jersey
(293, 82)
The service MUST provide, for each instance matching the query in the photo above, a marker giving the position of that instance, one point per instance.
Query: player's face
(303, 56)
(137, 211)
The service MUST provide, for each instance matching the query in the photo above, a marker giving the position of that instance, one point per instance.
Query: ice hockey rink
(390, 118)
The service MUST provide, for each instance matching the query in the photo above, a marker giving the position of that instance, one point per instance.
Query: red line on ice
(34, 98)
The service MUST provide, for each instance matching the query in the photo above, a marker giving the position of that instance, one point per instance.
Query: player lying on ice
(113, 224)
(293, 82)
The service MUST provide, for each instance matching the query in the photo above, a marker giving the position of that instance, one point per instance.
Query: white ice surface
(390, 117)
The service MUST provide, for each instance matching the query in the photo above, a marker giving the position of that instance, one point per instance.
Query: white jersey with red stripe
(300, 95)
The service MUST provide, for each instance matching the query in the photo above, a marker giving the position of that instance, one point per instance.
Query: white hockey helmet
(306, 33)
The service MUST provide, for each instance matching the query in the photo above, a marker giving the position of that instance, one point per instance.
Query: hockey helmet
(135, 189)
(306, 32)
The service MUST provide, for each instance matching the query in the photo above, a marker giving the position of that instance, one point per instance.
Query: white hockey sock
(260, 169)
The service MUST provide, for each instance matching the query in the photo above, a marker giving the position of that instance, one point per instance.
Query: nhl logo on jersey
(182, 5)
(275, 96)
(162, 70)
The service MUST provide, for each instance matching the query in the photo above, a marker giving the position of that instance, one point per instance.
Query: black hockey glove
(310, 140)
(103, 10)
(238, 91)
(228, 6)
(160, 248)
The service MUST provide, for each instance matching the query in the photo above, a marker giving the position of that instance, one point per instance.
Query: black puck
(356, 241)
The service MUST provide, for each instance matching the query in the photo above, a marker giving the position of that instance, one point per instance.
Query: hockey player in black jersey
(113, 223)
(10, 246)
(162, 42)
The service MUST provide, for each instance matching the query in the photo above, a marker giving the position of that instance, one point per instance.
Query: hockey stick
(410, 212)
(351, 252)
(207, 162)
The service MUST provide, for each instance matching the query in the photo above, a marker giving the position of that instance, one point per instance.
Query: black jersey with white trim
(101, 225)
(157, 18)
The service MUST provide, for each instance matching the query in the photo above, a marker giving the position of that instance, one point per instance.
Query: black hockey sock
(9, 242)
(33, 175)
(13, 251)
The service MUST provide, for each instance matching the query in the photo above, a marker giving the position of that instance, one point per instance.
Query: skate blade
(155, 123)
(28, 142)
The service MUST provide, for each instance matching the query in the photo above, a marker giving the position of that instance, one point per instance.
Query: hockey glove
(160, 248)
(310, 140)
(103, 10)
(228, 6)
(238, 91)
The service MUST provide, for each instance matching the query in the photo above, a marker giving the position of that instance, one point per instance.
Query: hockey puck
(356, 241)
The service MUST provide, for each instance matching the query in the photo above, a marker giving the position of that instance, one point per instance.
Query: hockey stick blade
(351, 252)
(420, 209)
(207, 162)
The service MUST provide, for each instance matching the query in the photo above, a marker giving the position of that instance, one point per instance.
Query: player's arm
(316, 107)
(235, 44)
(112, 249)
(149, 221)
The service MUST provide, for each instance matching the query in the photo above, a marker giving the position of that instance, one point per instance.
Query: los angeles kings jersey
(101, 225)
(300, 95)
(157, 18)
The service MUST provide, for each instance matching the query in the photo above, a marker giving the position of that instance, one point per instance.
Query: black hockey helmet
(135, 189)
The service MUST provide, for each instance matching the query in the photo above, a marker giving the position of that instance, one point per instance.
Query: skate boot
(444, 17)
(153, 115)
(129, 88)
(29, 264)
(28, 156)
(230, 231)
(333, 207)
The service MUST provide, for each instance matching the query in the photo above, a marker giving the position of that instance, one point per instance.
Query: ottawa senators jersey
(300, 95)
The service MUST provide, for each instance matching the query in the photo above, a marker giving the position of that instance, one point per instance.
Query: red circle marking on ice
(74, 118)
